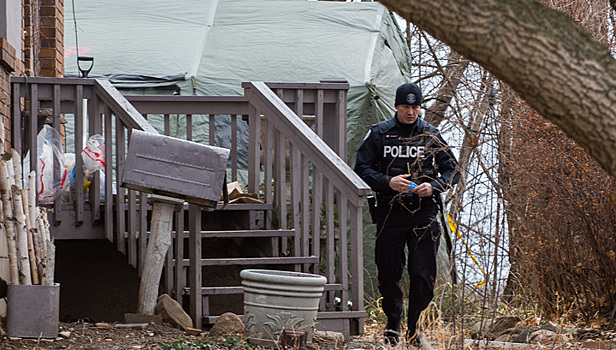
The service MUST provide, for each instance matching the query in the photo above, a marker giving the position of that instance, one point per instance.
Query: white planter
(274, 300)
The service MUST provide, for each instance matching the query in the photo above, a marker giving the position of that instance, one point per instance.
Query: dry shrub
(562, 211)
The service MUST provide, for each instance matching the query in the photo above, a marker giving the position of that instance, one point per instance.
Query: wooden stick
(32, 209)
(7, 205)
(25, 276)
(50, 251)
(19, 181)
(40, 225)
(31, 242)
(9, 167)
(48, 269)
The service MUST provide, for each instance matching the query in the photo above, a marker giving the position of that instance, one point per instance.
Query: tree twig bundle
(31, 252)
(7, 205)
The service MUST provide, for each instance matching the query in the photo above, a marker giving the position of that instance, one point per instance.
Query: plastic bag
(93, 155)
(49, 149)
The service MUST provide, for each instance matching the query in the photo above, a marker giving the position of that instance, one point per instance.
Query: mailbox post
(174, 171)
(156, 250)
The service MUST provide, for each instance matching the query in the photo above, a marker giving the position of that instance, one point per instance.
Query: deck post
(194, 243)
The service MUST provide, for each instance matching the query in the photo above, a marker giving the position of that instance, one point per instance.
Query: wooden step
(245, 234)
(322, 316)
(240, 289)
(256, 261)
(245, 206)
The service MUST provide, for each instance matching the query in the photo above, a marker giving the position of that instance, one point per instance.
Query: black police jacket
(391, 149)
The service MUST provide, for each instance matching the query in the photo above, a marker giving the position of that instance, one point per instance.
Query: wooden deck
(311, 219)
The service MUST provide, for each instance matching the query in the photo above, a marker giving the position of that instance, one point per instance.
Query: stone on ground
(227, 323)
(328, 339)
(172, 312)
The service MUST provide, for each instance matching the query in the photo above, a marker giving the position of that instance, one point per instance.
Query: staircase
(310, 219)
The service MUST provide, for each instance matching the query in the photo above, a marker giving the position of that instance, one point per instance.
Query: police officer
(406, 162)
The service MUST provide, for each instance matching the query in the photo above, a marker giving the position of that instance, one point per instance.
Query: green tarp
(209, 47)
(223, 43)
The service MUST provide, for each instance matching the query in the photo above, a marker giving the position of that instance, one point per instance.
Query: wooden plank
(179, 275)
(330, 231)
(245, 233)
(240, 290)
(212, 129)
(296, 184)
(357, 266)
(131, 227)
(79, 134)
(52, 81)
(109, 175)
(280, 182)
(299, 102)
(341, 125)
(318, 114)
(143, 229)
(167, 124)
(253, 261)
(95, 127)
(131, 220)
(342, 202)
(317, 201)
(244, 206)
(305, 209)
(56, 125)
(121, 107)
(195, 263)
(32, 130)
(120, 158)
(267, 155)
(321, 316)
(15, 119)
(234, 147)
(339, 84)
(189, 127)
(169, 271)
(220, 105)
(254, 150)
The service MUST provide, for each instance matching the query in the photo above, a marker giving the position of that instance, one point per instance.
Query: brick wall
(51, 54)
(42, 52)
(9, 65)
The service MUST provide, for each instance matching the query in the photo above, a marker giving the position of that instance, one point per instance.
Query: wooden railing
(299, 169)
(322, 188)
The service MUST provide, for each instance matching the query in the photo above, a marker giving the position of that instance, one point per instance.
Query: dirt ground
(83, 335)
(94, 336)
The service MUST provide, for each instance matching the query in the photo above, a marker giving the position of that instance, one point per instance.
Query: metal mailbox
(176, 168)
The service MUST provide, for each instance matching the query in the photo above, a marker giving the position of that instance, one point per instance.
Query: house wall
(31, 44)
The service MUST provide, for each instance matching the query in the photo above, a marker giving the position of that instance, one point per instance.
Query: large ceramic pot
(276, 300)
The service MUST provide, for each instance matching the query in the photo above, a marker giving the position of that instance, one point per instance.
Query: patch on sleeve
(367, 134)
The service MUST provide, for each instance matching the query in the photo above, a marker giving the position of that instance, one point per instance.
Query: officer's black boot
(412, 338)
(392, 331)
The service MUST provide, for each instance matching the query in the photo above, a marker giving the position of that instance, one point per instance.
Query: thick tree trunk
(551, 62)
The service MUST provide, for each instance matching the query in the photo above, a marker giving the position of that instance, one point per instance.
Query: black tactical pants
(395, 231)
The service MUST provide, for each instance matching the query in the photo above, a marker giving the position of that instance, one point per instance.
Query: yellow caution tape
(379, 309)
(454, 228)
